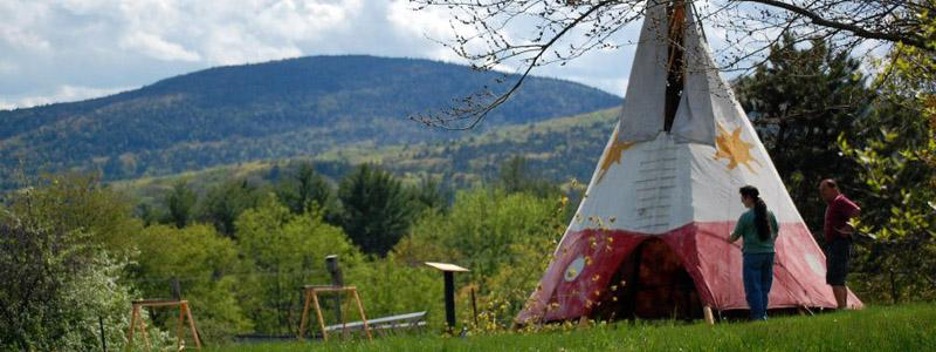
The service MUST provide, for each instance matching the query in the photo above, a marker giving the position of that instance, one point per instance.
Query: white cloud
(57, 50)
(153, 46)
(64, 93)
(432, 21)
(18, 23)
(25, 40)
(305, 20)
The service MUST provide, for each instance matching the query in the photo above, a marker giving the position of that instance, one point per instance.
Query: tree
(896, 151)
(506, 240)
(534, 33)
(389, 287)
(205, 265)
(181, 204)
(225, 202)
(799, 100)
(480, 230)
(285, 251)
(431, 195)
(62, 248)
(515, 176)
(79, 202)
(376, 209)
(304, 188)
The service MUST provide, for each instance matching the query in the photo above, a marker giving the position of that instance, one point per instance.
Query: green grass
(885, 328)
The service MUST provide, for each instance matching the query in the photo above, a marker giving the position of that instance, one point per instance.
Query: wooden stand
(311, 297)
(184, 312)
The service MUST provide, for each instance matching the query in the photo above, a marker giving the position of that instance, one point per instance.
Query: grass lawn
(882, 328)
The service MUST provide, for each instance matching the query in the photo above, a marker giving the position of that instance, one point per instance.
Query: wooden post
(188, 312)
(134, 315)
(709, 317)
(361, 311)
(305, 313)
(474, 306)
(179, 344)
(318, 314)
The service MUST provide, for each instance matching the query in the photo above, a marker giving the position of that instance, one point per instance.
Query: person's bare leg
(841, 296)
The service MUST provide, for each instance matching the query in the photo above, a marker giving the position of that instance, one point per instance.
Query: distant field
(883, 328)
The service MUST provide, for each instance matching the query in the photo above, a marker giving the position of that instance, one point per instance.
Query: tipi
(649, 237)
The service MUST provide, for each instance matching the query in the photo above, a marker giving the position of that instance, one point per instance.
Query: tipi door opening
(650, 283)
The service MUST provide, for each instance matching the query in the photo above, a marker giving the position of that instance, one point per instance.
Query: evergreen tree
(304, 188)
(431, 195)
(376, 209)
(799, 101)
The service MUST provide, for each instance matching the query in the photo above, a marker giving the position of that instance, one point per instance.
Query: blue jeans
(758, 277)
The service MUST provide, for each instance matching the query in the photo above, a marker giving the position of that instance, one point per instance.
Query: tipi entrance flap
(650, 282)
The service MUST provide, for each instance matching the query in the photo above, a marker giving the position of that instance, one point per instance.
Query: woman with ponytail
(758, 227)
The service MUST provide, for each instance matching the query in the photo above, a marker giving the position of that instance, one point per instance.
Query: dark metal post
(448, 271)
(175, 288)
(103, 338)
(450, 300)
(337, 280)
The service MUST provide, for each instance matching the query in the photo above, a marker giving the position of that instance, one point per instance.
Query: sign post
(448, 271)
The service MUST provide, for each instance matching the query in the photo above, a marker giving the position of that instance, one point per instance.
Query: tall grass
(890, 328)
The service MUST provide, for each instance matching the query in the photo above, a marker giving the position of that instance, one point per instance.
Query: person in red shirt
(838, 237)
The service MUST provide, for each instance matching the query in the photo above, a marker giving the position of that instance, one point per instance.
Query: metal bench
(401, 321)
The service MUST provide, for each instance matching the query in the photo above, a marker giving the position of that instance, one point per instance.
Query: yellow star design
(613, 155)
(731, 147)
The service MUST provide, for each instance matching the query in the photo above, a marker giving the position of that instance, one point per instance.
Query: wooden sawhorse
(184, 312)
(311, 297)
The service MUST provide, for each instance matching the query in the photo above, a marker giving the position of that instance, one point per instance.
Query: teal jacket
(752, 243)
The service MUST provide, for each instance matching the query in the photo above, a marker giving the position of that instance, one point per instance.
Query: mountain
(275, 110)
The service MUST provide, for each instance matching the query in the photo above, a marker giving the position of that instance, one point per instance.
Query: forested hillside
(556, 151)
(275, 110)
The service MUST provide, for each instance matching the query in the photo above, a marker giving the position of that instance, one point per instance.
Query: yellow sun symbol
(731, 147)
(613, 155)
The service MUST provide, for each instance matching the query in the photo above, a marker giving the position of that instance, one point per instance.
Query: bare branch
(533, 33)
(906, 38)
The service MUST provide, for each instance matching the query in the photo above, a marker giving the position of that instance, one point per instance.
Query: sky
(70, 50)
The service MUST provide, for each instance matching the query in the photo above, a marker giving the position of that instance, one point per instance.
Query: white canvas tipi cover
(649, 237)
